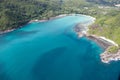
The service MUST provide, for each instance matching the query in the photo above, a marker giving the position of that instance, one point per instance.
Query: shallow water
(52, 51)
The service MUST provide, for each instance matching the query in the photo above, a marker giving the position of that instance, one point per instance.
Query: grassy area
(108, 25)
(112, 49)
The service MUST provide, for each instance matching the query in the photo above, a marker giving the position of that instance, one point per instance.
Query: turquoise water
(52, 51)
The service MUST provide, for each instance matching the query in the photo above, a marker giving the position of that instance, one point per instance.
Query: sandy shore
(43, 20)
(61, 16)
(106, 56)
(103, 43)
(6, 31)
(52, 18)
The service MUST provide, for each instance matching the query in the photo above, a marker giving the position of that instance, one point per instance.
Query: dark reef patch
(45, 63)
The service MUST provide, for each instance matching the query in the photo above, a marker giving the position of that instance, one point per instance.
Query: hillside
(14, 13)
(108, 25)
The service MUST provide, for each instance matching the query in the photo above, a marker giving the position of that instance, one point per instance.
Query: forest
(15, 13)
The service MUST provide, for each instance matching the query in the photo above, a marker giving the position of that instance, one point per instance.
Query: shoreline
(82, 30)
(6, 31)
(36, 20)
(57, 17)
(51, 18)
(42, 20)
(105, 43)
(101, 42)
(31, 21)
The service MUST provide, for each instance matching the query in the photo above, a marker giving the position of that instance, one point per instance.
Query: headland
(111, 49)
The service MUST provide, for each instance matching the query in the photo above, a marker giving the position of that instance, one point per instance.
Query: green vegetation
(15, 13)
(108, 25)
(112, 49)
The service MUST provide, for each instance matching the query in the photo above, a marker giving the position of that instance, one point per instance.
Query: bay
(51, 50)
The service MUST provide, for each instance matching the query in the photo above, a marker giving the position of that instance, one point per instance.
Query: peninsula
(111, 49)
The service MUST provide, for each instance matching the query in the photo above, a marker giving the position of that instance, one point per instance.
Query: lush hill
(14, 13)
(108, 25)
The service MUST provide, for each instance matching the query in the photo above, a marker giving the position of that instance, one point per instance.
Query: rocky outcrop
(81, 30)
(108, 57)
(105, 43)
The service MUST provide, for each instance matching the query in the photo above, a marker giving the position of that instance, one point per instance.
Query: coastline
(6, 31)
(106, 56)
(56, 17)
(82, 30)
(105, 43)
(51, 18)
(31, 21)
(42, 20)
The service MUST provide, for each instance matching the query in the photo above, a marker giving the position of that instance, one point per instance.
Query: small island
(111, 49)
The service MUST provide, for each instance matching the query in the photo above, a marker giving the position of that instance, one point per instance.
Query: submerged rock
(81, 30)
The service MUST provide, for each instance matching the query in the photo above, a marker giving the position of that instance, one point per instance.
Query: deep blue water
(52, 51)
